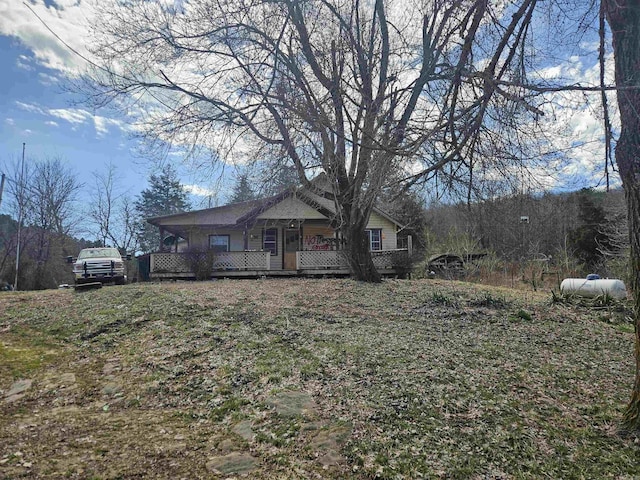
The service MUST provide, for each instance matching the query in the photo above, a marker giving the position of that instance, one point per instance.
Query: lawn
(313, 379)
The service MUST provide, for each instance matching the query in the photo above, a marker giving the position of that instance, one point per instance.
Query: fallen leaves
(316, 378)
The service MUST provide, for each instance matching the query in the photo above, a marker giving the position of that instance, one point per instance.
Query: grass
(407, 379)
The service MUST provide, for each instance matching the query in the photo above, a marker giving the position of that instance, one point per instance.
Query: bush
(200, 262)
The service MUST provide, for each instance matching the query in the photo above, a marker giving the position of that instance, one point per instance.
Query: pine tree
(164, 196)
(588, 238)
(242, 190)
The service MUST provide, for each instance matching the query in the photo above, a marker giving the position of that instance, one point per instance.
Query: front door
(291, 246)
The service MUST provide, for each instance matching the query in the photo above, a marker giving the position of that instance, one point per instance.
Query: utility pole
(20, 214)
(1, 187)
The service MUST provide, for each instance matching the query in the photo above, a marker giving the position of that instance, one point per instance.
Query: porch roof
(247, 214)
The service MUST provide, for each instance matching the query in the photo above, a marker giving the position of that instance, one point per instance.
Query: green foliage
(277, 178)
(521, 315)
(588, 239)
(242, 190)
(455, 241)
(164, 196)
(442, 298)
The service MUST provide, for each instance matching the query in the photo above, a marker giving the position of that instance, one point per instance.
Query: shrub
(200, 262)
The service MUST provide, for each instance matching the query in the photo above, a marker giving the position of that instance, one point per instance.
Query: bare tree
(42, 194)
(53, 189)
(112, 211)
(353, 89)
(623, 17)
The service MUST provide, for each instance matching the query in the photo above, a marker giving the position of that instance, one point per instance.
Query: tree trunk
(358, 254)
(624, 20)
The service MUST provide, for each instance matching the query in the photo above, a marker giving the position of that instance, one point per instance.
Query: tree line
(46, 222)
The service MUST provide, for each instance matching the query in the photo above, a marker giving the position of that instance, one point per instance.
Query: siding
(389, 236)
(255, 243)
(291, 208)
(201, 238)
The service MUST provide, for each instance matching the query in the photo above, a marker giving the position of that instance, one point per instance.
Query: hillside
(312, 379)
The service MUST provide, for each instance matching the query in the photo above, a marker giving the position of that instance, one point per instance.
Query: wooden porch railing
(178, 262)
(332, 259)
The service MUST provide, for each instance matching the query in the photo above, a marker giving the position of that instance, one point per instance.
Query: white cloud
(102, 125)
(25, 63)
(9, 121)
(71, 115)
(47, 80)
(199, 191)
(67, 18)
(74, 116)
(30, 107)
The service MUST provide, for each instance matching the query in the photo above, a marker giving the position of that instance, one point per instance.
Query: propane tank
(592, 286)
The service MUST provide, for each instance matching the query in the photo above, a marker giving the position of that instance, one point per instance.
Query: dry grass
(407, 379)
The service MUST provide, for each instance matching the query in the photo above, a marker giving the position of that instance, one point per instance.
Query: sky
(36, 110)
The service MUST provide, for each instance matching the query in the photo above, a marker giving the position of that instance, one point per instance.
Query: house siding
(255, 243)
(201, 238)
(291, 208)
(389, 235)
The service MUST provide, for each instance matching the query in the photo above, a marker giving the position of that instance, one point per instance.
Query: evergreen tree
(164, 196)
(278, 178)
(242, 190)
(589, 239)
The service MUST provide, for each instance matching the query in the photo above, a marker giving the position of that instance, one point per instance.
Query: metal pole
(1, 188)
(20, 212)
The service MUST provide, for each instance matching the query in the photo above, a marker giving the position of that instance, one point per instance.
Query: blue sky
(35, 108)
(38, 112)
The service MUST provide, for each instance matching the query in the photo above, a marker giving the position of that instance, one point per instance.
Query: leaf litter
(306, 378)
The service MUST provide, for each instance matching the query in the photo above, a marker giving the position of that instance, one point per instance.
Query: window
(219, 243)
(270, 240)
(375, 239)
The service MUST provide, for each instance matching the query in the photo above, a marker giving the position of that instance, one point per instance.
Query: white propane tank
(592, 286)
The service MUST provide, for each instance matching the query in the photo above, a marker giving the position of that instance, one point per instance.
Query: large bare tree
(354, 89)
(623, 17)
(112, 211)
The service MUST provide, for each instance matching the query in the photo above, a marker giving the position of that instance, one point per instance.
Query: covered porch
(293, 233)
(176, 265)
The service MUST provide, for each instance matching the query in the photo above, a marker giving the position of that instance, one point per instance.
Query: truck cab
(101, 264)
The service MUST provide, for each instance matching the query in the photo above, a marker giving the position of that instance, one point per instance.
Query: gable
(291, 207)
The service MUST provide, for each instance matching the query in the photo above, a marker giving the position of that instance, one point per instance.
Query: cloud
(199, 191)
(30, 107)
(74, 116)
(47, 80)
(71, 115)
(67, 18)
(102, 125)
(9, 121)
(25, 63)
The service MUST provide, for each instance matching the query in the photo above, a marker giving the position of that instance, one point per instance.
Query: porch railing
(332, 259)
(178, 262)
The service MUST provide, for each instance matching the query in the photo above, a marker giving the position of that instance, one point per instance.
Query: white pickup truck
(102, 264)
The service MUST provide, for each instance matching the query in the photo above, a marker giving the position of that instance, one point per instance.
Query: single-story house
(293, 233)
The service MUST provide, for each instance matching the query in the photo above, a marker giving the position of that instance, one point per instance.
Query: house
(293, 233)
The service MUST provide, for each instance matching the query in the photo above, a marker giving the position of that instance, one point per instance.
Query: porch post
(409, 245)
(161, 237)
